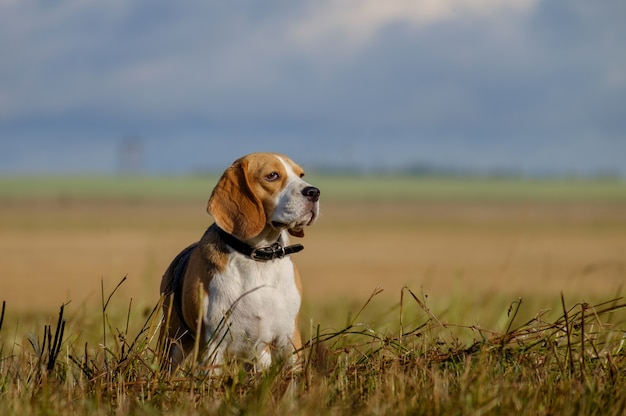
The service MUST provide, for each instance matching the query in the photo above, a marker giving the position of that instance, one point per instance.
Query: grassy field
(363, 188)
(492, 296)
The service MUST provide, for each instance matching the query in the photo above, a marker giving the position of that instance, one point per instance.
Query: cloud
(49, 52)
(491, 81)
(224, 61)
(354, 22)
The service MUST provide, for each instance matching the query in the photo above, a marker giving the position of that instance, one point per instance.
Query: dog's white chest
(252, 304)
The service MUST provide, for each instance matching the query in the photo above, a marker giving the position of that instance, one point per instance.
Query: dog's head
(263, 190)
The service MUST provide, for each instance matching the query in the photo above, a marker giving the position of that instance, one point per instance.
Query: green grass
(383, 187)
(106, 187)
(470, 189)
(573, 363)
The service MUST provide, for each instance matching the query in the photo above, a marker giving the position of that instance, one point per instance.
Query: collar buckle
(268, 253)
(261, 254)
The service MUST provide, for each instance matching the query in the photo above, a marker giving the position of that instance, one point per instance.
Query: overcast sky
(528, 85)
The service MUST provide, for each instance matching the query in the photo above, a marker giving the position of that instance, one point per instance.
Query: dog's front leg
(263, 358)
(214, 354)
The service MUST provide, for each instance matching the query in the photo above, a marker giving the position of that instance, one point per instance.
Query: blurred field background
(472, 246)
(498, 132)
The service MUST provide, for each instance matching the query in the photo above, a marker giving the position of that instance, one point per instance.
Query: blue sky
(534, 86)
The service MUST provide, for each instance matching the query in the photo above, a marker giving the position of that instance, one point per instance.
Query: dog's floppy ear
(233, 204)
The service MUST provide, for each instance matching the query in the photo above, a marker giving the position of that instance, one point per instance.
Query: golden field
(500, 297)
(454, 249)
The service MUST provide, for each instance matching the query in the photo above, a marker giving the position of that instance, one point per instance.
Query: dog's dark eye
(302, 175)
(272, 177)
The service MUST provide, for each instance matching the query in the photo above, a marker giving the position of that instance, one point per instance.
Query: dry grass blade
(54, 348)
(4, 304)
(418, 369)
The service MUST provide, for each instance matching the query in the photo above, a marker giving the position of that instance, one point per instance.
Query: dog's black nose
(312, 193)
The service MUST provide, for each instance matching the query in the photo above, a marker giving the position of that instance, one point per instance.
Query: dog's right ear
(233, 204)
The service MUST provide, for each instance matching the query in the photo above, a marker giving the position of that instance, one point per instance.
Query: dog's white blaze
(253, 305)
(290, 173)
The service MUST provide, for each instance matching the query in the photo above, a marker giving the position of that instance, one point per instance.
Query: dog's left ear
(236, 209)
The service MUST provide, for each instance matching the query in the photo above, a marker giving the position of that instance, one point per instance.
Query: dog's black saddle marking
(179, 268)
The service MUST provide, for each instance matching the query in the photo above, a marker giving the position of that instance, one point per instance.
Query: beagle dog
(236, 292)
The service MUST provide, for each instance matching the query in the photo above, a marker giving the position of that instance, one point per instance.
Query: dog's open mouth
(296, 225)
(313, 217)
(293, 226)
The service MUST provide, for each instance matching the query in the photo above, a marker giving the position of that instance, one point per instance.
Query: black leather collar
(275, 251)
